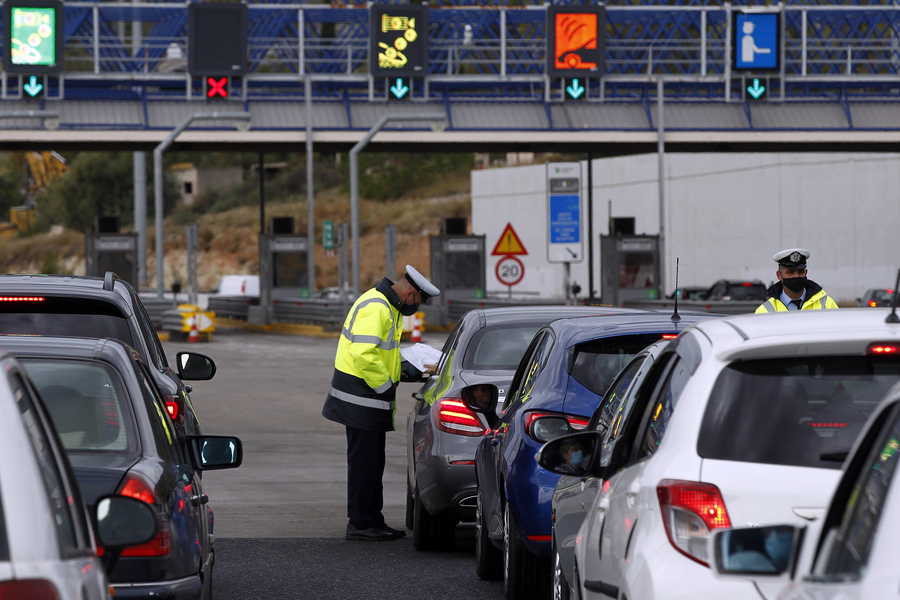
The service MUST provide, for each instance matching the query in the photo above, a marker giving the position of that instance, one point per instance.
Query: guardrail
(231, 307)
(329, 315)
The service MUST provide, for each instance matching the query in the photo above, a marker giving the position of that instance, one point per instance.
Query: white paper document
(419, 355)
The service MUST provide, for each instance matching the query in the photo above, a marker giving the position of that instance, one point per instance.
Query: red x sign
(216, 87)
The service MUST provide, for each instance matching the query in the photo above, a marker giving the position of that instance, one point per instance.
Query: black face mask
(794, 284)
(408, 310)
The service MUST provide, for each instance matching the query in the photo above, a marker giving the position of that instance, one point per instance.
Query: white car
(742, 421)
(47, 548)
(850, 553)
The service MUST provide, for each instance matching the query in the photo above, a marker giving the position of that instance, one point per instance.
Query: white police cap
(793, 258)
(422, 285)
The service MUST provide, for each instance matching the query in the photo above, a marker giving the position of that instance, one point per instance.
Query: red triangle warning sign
(509, 243)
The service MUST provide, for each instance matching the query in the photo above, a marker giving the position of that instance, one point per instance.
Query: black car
(96, 307)
(876, 297)
(120, 440)
(737, 289)
(442, 434)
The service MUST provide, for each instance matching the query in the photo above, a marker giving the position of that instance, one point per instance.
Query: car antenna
(675, 316)
(893, 318)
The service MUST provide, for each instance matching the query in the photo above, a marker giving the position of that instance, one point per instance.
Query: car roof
(107, 349)
(75, 286)
(798, 332)
(542, 313)
(578, 329)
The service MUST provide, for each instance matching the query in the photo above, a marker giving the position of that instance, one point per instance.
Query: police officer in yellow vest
(793, 290)
(363, 388)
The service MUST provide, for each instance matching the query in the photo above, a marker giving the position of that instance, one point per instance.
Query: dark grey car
(442, 434)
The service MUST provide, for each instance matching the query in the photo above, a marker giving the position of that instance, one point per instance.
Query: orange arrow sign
(509, 243)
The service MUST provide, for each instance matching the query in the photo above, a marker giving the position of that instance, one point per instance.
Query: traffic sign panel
(564, 239)
(34, 36)
(576, 41)
(398, 41)
(328, 235)
(509, 243)
(755, 37)
(509, 270)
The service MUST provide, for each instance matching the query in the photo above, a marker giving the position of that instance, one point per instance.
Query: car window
(65, 316)
(499, 347)
(163, 429)
(662, 407)
(88, 402)
(793, 411)
(610, 407)
(157, 356)
(746, 291)
(450, 344)
(60, 488)
(848, 555)
(595, 364)
(528, 371)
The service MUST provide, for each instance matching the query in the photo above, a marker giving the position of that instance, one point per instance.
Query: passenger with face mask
(794, 291)
(363, 389)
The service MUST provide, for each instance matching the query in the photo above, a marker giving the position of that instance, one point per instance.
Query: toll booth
(630, 268)
(108, 250)
(458, 264)
(285, 257)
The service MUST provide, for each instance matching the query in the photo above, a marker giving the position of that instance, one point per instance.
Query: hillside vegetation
(413, 192)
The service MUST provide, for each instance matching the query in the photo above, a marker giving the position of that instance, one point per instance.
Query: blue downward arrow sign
(756, 90)
(399, 89)
(33, 88)
(575, 89)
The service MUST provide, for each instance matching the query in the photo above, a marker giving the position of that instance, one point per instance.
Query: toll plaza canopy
(731, 76)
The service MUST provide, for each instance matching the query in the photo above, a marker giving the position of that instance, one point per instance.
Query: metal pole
(590, 223)
(262, 197)
(354, 179)
(158, 183)
(140, 213)
(390, 246)
(728, 52)
(661, 151)
(310, 190)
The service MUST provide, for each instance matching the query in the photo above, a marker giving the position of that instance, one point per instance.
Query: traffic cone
(194, 335)
(415, 335)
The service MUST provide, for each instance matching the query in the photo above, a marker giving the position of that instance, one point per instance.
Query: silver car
(47, 548)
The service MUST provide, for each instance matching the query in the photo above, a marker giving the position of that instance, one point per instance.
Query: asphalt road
(280, 517)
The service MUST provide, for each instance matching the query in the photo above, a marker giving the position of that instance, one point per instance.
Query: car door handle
(634, 490)
(199, 500)
(603, 505)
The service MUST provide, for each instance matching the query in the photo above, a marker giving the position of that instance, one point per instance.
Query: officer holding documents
(794, 291)
(363, 389)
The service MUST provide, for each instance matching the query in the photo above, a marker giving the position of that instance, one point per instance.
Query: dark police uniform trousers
(365, 468)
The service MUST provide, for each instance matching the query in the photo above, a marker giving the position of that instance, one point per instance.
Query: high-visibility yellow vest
(819, 300)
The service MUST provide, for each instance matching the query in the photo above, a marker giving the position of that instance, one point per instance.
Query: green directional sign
(328, 235)
(33, 32)
(576, 89)
(756, 90)
(32, 87)
(401, 88)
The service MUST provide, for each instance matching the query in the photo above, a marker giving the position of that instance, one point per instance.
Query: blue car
(568, 367)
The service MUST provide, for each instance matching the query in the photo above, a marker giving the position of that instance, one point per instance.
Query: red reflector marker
(26, 589)
(172, 407)
(669, 336)
(882, 349)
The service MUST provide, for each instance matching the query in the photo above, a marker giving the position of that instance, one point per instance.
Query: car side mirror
(122, 522)
(195, 366)
(561, 455)
(481, 398)
(768, 551)
(212, 452)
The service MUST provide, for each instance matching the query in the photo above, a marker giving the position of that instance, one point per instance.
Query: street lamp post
(158, 179)
(354, 178)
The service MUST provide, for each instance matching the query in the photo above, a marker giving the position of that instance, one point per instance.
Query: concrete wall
(726, 215)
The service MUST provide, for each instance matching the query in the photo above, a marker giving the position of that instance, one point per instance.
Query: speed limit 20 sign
(510, 270)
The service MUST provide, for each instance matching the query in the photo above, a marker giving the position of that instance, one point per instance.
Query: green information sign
(34, 36)
(328, 235)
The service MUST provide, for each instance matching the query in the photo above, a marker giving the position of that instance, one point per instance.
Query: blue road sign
(565, 219)
(756, 44)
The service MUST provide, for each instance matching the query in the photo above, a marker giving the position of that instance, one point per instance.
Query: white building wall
(726, 215)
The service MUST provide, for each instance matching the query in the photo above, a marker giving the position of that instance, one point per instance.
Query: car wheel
(525, 576)
(410, 508)
(430, 532)
(560, 585)
(207, 593)
(487, 556)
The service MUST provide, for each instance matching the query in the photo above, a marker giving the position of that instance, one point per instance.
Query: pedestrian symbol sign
(509, 243)
(756, 41)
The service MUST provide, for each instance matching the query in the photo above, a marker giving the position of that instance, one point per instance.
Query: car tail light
(137, 486)
(21, 299)
(172, 405)
(455, 417)
(872, 303)
(881, 349)
(746, 284)
(28, 589)
(690, 510)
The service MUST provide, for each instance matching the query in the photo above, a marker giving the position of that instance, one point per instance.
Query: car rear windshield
(596, 364)
(752, 291)
(797, 411)
(78, 317)
(88, 402)
(499, 347)
(882, 296)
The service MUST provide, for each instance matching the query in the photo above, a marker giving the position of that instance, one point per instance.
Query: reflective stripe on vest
(388, 344)
(361, 401)
(769, 304)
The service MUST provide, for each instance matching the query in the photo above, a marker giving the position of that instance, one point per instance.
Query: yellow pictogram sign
(509, 243)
